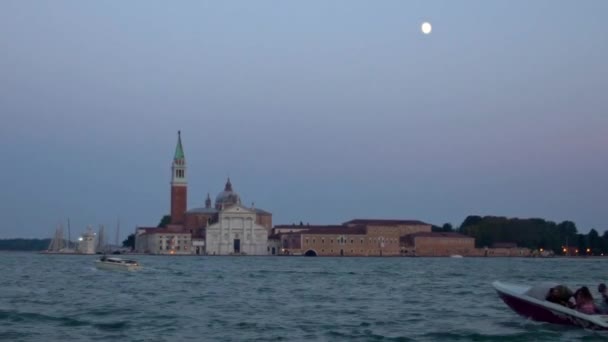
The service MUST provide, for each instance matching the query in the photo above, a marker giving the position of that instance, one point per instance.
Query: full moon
(426, 28)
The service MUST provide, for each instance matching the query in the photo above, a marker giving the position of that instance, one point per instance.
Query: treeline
(24, 244)
(535, 233)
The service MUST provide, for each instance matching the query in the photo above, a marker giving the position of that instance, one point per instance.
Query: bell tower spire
(208, 201)
(179, 185)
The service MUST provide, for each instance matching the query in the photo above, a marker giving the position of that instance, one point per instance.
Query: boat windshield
(541, 290)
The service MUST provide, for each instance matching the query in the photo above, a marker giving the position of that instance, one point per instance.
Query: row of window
(160, 248)
(332, 241)
(353, 241)
(178, 242)
(180, 173)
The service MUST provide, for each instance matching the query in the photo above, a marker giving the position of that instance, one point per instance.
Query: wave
(15, 316)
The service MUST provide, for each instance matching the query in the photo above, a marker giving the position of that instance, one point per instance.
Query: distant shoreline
(301, 256)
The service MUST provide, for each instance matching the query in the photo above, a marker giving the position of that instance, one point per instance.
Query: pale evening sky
(319, 111)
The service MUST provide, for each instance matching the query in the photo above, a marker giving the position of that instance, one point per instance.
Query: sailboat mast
(61, 238)
(117, 232)
(100, 239)
(69, 235)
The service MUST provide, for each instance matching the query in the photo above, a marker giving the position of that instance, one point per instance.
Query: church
(225, 227)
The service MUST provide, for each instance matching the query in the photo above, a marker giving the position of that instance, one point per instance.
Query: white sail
(57, 242)
(101, 243)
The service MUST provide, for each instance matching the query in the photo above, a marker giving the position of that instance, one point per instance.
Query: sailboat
(58, 244)
(101, 241)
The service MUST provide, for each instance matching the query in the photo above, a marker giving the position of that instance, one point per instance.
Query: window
(351, 241)
(331, 241)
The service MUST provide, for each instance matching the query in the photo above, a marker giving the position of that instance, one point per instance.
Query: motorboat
(456, 256)
(106, 263)
(530, 302)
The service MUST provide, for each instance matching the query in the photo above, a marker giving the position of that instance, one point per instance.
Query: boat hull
(544, 311)
(533, 311)
(115, 267)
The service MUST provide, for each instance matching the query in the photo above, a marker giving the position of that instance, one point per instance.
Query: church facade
(236, 232)
(225, 228)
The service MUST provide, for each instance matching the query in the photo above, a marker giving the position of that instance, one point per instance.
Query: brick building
(353, 238)
(437, 244)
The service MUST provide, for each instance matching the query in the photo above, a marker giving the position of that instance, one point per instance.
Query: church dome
(227, 197)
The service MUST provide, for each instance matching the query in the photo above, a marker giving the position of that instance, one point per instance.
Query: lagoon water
(64, 298)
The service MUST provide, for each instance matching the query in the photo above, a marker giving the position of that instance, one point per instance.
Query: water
(64, 298)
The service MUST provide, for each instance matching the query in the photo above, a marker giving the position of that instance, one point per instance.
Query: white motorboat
(456, 256)
(120, 264)
(529, 301)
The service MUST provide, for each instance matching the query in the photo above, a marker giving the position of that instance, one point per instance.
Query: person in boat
(584, 301)
(604, 292)
(603, 304)
(561, 295)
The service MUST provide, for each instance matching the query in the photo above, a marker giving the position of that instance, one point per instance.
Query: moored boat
(530, 302)
(117, 264)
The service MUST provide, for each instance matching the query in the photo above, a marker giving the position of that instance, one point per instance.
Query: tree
(447, 227)
(164, 221)
(595, 242)
(129, 242)
(471, 220)
(581, 244)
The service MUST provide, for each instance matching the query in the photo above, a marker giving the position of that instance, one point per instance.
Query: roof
(386, 222)
(179, 150)
(261, 211)
(155, 230)
(300, 226)
(228, 196)
(330, 229)
(202, 210)
(440, 235)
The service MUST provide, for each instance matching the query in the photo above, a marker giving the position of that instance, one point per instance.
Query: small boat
(457, 256)
(106, 263)
(529, 301)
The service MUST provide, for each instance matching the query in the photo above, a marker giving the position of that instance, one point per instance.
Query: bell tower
(179, 185)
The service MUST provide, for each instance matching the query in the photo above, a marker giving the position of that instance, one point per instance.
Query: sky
(318, 111)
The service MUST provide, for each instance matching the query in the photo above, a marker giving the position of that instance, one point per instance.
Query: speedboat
(106, 263)
(457, 256)
(529, 301)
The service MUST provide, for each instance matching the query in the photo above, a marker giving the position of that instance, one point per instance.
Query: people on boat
(584, 301)
(603, 302)
(604, 292)
(561, 295)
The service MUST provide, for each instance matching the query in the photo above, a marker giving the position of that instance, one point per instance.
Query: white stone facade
(236, 232)
(163, 242)
(87, 242)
